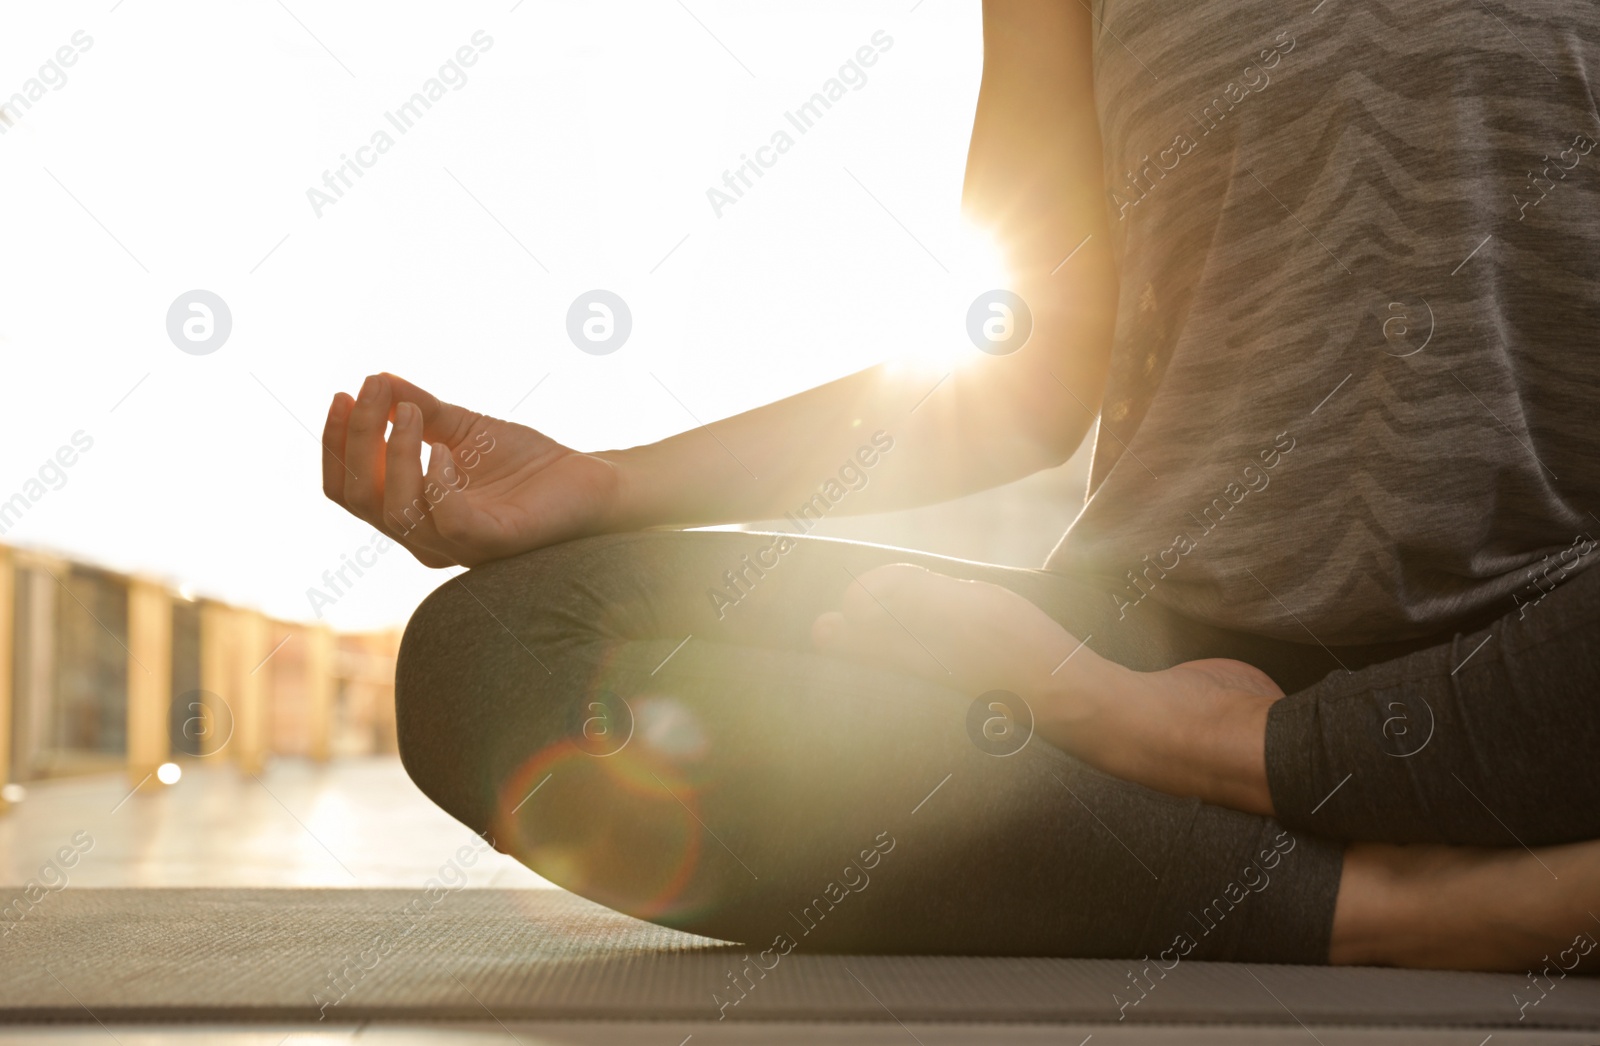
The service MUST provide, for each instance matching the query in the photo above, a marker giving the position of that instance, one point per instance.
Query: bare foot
(1197, 729)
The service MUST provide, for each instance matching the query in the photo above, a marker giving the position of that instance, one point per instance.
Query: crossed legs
(642, 719)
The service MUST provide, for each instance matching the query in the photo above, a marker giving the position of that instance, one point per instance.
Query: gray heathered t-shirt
(1355, 387)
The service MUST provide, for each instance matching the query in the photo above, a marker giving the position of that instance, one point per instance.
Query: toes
(891, 589)
(828, 633)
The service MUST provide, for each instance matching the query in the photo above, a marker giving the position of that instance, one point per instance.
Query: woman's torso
(1354, 380)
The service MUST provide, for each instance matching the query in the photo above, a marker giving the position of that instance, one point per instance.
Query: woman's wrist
(627, 506)
(649, 489)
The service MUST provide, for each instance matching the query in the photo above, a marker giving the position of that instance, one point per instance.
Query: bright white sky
(178, 153)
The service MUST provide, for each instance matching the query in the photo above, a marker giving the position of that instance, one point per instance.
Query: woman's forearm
(893, 437)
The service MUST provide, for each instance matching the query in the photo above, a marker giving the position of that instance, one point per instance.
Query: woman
(1336, 343)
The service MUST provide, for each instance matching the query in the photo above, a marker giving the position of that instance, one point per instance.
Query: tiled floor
(361, 823)
(356, 822)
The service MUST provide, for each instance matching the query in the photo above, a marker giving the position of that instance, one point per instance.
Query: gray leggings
(640, 719)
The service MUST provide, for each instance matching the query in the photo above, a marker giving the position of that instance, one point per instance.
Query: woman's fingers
(405, 510)
(406, 498)
(871, 624)
(440, 420)
(453, 517)
(364, 451)
(381, 480)
(333, 439)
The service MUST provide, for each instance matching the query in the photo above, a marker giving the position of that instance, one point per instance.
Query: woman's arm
(493, 489)
(1034, 181)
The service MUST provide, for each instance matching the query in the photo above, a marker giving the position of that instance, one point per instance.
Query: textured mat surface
(253, 955)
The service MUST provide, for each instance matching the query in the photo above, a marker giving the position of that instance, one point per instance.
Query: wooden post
(250, 710)
(319, 689)
(34, 647)
(149, 678)
(218, 724)
(7, 630)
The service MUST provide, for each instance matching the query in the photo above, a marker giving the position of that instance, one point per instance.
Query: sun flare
(956, 332)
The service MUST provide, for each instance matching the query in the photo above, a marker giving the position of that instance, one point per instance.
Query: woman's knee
(478, 672)
(428, 684)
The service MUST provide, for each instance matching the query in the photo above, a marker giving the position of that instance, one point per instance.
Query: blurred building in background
(103, 671)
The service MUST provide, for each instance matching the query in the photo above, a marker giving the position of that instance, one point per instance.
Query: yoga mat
(344, 955)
